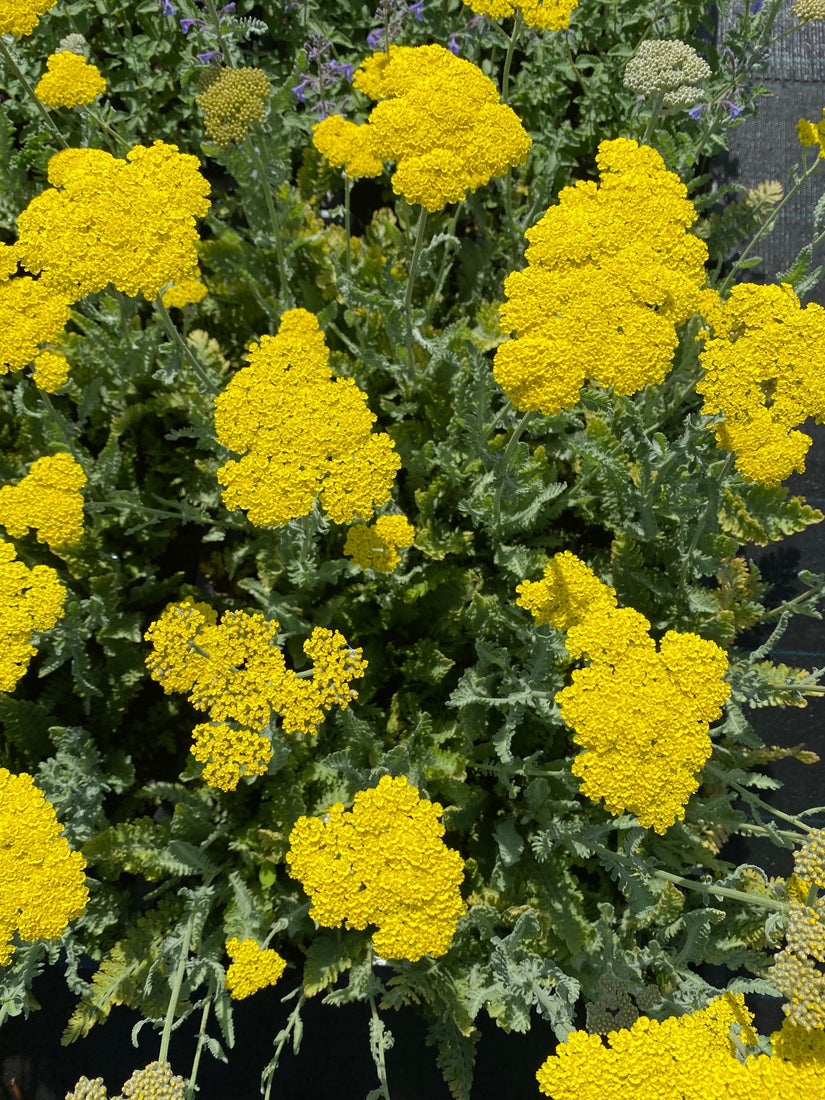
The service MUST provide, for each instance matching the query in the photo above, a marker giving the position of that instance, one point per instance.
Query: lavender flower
(167, 9)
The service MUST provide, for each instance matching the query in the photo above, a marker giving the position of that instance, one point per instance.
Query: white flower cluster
(73, 43)
(669, 66)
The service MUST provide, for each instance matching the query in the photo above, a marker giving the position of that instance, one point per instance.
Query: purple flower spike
(300, 90)
(756, 7)
(734, 110)
(374, 39)
(696, 112)
(417, 10)
(452, 45)
(187, 24)
(205, 58)
(226, 10)
(167, 9)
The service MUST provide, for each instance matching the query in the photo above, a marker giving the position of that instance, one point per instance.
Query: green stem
(514, 438)
(62, 425)
(291, 1022)
(190, 1088)
(176, 987)
(207, 381)
(347, 223)
(760, 830)
(416, 255)
(755, 800)
(766, 228)
(216, 20)
(286, 290)
(572, 64)
(98, 121)
(722, 891)
(658, 99)
(508, 59)
(381, 1064)
(442, 272)
(10, 61)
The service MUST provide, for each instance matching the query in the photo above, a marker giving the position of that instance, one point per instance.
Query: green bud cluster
(809, 860)
(798, 977)
(795, 971)
(88, 1090)
(233, 99)
(155, 1082)
(669, 66)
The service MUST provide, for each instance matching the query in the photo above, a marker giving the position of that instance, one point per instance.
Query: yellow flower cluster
(641, 713)
(69, 80)
(763, 371)
(31, 313)
(796, 972)
(19, 17)
(439, 119)
(42, 881)
(691, 1057)
(813, 133)
(51, 370)
(611, 273)
(383, 862)
(376, 547)
(235, 671)
(234, 100)
(184, 292)
(32, 600)
(48, 500)
(544, 15)
(154, 1082)
(302, 433)
(251, 969)
(126, 222)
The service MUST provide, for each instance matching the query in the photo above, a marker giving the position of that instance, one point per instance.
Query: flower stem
(294, 1016)
(416, 255)
(207, 381)
(442, 272)
(190, 1088)
(286, 290)
(755, 800)
(10, 61)
(658, 99)
(216, 22)
(176, 987)
(377, 1044)
(508, 60)
(347, 223)
(721, 891)
(514, 438)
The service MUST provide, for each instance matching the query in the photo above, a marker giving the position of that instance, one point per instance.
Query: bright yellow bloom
(641, 713)
(48, 500)
(32, 600)
(19, 17)
(42, 881)
(126, 222)
(303, 434)
(441, 121)
(252, 968)
(764, 366)
(376, 547)
(611, 273)
(69, 80)
(234, 100)
(51, 370)
(691, 1057)
(229, 753)
(346, 145)
(545, 15)
(184, 292)
(383, 862)
(31, 314)
(235, 671)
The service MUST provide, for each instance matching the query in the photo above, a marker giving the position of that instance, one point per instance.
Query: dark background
(335, 1055)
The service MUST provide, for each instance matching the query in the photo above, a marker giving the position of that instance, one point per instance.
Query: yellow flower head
(48, 500)
(441, 121)
(347, 145)
(31, 313)
(234, 100)
(19, 17)
(376, 547)
(51, 370)
(764, 367)
(229, 753)
(383, 862)
(611, 273)
(127, 222)
(303, 434)
(42, 881)
(252, 968)
(68, 81)
(32, 600)
(544, 15)
(185, 292)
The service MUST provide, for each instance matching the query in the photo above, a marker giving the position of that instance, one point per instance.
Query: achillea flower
(32, 600)
(346, 145)
(376, 547)
(383, 862)
(440, 120)
(155, 1082)
(68, 81)
(795, 971)
(229, 753)
(185, 292)
(689, 1056)
(640, 713)
(48, 500)
(51, 370)
(19, 17)
(31, 313)
(42, 881)
(252, 968)
(302, 433)
(126, 222)
(808, 10)
(234, 100)
(544, 15)
(763, 369)
(88, 1090)
(668, 66)
(813, 133)
(611, 273)
(234, 670)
